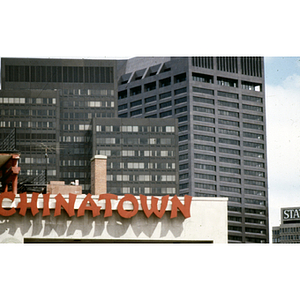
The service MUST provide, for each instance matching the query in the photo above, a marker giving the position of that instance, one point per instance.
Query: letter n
(61, 202)
(184, 208)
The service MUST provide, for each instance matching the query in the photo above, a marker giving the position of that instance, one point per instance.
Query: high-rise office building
(64, 112)
(219, 103)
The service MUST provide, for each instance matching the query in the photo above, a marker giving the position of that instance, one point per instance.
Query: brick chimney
(98, 174)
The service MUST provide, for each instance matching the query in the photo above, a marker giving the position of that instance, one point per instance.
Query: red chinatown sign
(89, 204)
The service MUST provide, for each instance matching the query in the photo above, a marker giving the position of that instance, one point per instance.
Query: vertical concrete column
(98, 174)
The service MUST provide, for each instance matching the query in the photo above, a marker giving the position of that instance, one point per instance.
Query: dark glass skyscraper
(219, 103)
(65, 109)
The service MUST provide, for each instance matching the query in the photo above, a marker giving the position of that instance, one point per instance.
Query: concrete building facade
(219, 103)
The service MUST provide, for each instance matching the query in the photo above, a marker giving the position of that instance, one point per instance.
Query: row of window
(251, 66)
(29, 112)
(143, 190)
(86, 116)
(223, 169)
(212, 139)
(12, 100)
(133, 128)
(141, 178)
(86, 92)
(141, 165)
(59, 74)
(226, 131)
(82, 104)
(252, 86)
(224, 112)
(134, 141)
(28, 124)
(152, 85)
(228, 114)
(136, 153)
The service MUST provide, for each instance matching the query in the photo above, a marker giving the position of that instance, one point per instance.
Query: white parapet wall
(68, 218)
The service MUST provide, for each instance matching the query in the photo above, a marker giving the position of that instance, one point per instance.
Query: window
(229, 123)
(251, 86)
(253, 117)
(180, 91)
(204, 109)
(150, 86)
(204, 100)
(228, 95)
(230, 170)
(229, 141)
(164, 82)
(204, 138)
(230, 160)
(123, 106)
(122, 94)
(228, 104)
(229, 151)
(136, 112)
(202, 77)
(165, 114)
(229, 132)
(203, 91)
(228, 113)
(230, 189)
(203, 147)
(150, 108)
(180, 77)
(254, 164)
(204, 157)
(227, 82)
(180, 109)
(165, 104)
(135, 90)
(230, 179)
(204, 128)
(252, 107)
(252, 98)
(205, 186)
(204, 119)
(150, 99)
(135, 103)
(165, 95)
(180, 100)
(205, 167)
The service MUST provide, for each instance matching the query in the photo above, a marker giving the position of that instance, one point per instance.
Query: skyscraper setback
(214, 106)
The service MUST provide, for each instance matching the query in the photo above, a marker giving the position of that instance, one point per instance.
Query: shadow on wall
(89, 227)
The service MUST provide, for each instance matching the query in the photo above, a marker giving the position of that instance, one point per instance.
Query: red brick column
(98, 175)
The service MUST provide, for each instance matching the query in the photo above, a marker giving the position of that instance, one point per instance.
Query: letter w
(154, 201)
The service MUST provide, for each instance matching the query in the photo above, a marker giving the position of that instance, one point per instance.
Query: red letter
(61, 202)
(108, 197)
(128, 214)
(46, 210)
(154, 201)
(7, 212)
(23, 205)
(93, 207)
(185, 209)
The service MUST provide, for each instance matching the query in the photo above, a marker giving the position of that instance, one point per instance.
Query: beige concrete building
(78, 218)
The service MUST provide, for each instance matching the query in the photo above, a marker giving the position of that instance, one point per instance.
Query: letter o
(128, 213)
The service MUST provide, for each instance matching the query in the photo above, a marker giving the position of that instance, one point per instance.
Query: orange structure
(9, 171)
